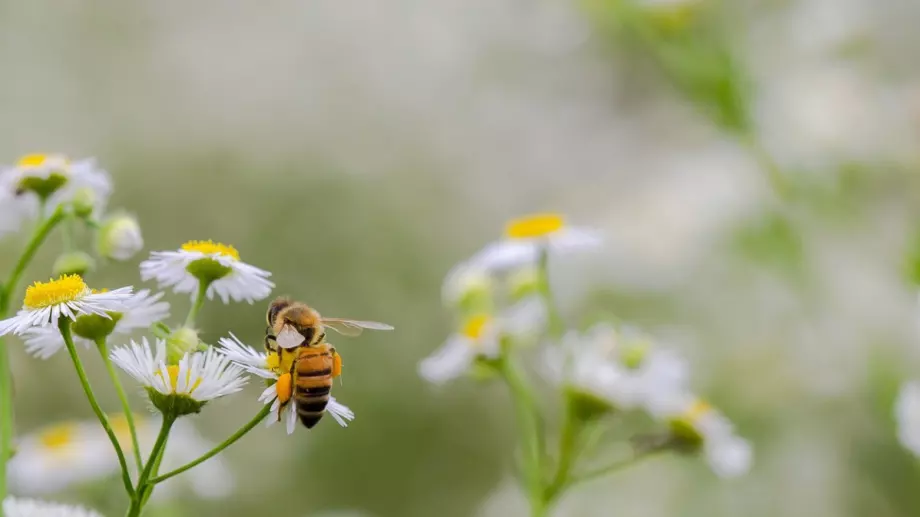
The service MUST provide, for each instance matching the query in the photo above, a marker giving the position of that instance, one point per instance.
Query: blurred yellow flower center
(58, 436)
(68, 288)
(212, 248)
(474, 326)
(534, 226)
(697, 409)
(32, 160)
(122, 430)
(173, 370)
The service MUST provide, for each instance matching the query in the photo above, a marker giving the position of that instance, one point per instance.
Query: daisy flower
(181, 388)
(55, 179)
(17, 507)
(141, 310)
(68, 297)
(268, 367)
(907, 416)
(119, 237)
(696, 424)
(479, 338)
(525, 239)
(216, 264)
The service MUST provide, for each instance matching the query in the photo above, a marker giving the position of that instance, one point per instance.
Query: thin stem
(138, 501)
(6, 381)
(556, 325)
(64, 326)
(199, 302)
(216, 450)
(778, 180)
(68, 234)
(528, 424)
(123, 397)
(616, 466)
(568, 451)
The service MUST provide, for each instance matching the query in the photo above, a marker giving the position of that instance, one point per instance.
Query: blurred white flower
(278, 394)
(16, 507)
(75, 453)
(525, 238)
(907, 416)
(697, 423)
(198, 378)
(55, 179)
(11, 214)
(119, 237)
(219, 264)
(68, 296)
(141, 310)
(479, 338)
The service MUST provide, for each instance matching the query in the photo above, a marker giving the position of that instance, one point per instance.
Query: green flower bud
(174, 405)
(84, 202)
(586, 406)
(182, 341)
(73, 263)
(119, 238)
(95, 327)
(208, 270)
(43, 187)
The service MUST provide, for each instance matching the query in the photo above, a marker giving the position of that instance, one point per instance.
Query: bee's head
(275, 308)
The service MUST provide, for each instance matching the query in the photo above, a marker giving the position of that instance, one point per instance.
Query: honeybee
(297, 333)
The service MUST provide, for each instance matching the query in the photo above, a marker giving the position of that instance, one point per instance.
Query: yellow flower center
(696, 410)
(272, 362)
(534, 226)
(211, 248)
(67, 288)
(33, 160)
(58, 436)
(475, 326)
(173, 370)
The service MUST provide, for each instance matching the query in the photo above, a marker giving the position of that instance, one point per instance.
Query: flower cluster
(502, 299)
(180, 373)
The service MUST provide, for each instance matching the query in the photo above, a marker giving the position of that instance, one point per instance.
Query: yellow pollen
(173, 370)
(67, 288)
(474, 326)
(284, 388)
(698, 409)
(58, 436)
(99, 291)
(272, 362)
(210, 247)
(534, 226)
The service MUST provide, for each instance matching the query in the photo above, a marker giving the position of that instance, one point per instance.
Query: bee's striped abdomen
(312, 383)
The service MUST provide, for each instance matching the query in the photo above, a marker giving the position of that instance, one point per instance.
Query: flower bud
(73, 263)
(84, 202)
(119, 238)
(182, 341)
(95, 327)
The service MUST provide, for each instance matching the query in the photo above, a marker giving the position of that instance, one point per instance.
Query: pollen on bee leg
(336, 364)
(284, 388)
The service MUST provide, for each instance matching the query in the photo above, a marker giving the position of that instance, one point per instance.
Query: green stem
(556, 325)
(64, 326)
(778, 180)
(199, 302)
(6, 381)
(616, 466)
(216, 450)
(68, 234)
(142, 494)
(529, 427)
(123, 397)
(568, 442)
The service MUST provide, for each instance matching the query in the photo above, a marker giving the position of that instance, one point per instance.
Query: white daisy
(11, 214)
(69, 297)
(219, 264)
(479, 338)
(56, 179)
(525, 238)
(16, 507)
(466, 283)
(699, 425)
(59, 456)
(268, 367)
(585, 365)
(141, 310)
(198, 378)
(907, 416)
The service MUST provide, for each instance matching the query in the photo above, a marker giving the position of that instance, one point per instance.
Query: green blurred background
(752, 163)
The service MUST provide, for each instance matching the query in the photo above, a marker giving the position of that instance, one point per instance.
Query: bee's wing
(353, 328)
(289, 338)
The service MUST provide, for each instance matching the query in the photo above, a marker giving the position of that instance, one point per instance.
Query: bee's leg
(270, 343)
(322, 338)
